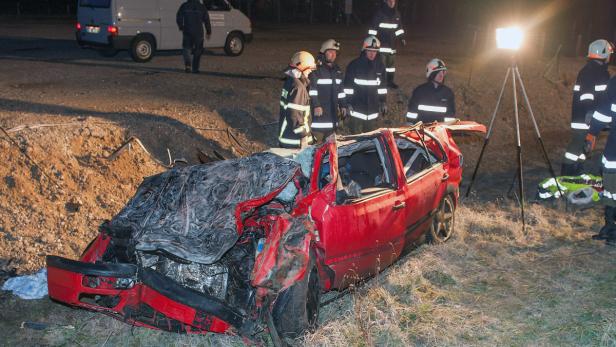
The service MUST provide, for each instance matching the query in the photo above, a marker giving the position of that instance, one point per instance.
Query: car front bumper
(139, 296)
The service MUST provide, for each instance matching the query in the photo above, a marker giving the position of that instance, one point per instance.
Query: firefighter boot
(610, 240)
(610, 224)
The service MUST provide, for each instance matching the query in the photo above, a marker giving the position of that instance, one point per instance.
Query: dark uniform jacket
(365, 86)
(386, 26)
(326, 91)
(604, 116)
(429, 104)
(191, 17)
(590, 87)
(294, 121)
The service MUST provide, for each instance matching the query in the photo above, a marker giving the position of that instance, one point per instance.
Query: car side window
(324, 172)
(364, 169)
(415, 158)
(217, 5)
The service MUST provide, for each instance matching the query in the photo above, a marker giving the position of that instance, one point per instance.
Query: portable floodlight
(509, 38)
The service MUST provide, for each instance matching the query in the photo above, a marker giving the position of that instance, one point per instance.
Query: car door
(359, 234)
(424, 180)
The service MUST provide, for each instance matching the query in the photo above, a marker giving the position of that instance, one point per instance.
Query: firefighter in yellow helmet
(294, 122)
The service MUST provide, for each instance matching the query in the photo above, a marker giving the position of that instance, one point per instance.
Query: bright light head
(509, 38)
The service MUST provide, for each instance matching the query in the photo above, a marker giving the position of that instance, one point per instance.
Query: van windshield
(95, 3)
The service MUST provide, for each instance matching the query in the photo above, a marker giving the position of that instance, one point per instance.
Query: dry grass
(492, 285)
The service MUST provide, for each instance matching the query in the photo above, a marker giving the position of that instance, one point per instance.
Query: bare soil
(67, 110)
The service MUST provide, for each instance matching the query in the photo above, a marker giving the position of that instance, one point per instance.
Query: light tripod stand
(515, 76)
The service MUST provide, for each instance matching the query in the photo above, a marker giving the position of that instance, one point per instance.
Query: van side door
(171, 36)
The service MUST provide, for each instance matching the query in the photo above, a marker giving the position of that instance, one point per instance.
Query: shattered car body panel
(212, 247)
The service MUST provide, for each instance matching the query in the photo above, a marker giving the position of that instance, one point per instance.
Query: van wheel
(108, 52)
(297, 308)
(142, 48)
(235, 44)
(443, 222)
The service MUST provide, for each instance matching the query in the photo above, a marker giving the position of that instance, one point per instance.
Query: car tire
(108, 52)
(235, 44)
(142, 48)
(443, 222)
(296, 309)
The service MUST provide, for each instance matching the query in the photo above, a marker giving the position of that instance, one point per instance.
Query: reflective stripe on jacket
(365, 86)
(589, 88)
(429, 104)
(604, 116)
(294, 120)
(327, 92)
(386, 26)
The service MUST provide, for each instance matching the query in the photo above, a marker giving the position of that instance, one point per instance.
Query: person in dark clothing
(365, 86)
(432, 101)
(603, 116)
(590, 87)
(327, 97)
(191, 17)
(294, 122)
(387, 27)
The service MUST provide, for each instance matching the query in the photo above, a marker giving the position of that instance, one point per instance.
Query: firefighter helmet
(434, 66)
(330, 44)
(600, 49)
(303, 61)
(371, 43)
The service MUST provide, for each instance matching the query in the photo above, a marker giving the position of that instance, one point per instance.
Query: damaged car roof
(190, 212)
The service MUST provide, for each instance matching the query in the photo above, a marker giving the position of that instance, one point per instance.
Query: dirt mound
(54, 204)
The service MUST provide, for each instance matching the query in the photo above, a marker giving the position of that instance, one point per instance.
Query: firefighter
(294, 121)
(365, 86)
(589, 89)
(327, 95)
(386, 26)
(603, 116)
(190, 18)
(433, 100)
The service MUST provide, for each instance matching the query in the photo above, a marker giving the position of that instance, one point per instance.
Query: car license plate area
(91, 29)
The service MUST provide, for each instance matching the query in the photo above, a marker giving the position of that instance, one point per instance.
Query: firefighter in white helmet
(433, 100)
(327, 97)
(365, 86)
(589, 89)
(294, 122)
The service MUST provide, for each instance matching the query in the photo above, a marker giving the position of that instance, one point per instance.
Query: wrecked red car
(238, 245)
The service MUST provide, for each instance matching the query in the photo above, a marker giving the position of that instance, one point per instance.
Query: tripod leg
(519, 148)
(532, 117)
(488, 134)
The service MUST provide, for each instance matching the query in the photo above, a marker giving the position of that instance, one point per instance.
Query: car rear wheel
(297, 309)
(142, 48)
(443, 223)
(235, 44)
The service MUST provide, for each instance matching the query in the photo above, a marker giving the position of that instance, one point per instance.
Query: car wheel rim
(143, 50)
(235, 45)
(444, 220)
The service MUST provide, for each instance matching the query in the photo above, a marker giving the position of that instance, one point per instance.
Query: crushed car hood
(190, 212)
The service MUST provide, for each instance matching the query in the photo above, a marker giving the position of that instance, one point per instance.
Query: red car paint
(350, 241)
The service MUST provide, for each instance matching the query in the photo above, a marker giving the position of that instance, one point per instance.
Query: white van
(145, 26)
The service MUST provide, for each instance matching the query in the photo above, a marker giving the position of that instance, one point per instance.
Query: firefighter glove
(344, 113)
(589, 145)
(383, 109)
